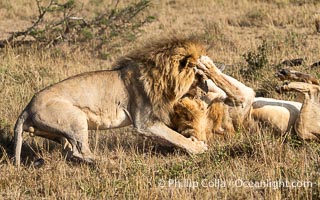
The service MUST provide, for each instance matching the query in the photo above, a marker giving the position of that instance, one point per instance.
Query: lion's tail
(18, 130)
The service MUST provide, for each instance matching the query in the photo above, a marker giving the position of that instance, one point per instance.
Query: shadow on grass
(6, 142)
(129, 140)
(33, 148)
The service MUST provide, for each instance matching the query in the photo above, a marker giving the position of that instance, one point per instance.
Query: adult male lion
(142, 91)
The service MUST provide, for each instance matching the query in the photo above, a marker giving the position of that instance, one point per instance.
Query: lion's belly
(107, 120)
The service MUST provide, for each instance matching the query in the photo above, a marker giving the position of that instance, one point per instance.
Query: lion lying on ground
(142, 91)
(192, 117)
(286, 116)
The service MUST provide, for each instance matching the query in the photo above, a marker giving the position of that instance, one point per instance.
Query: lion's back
(92, 90)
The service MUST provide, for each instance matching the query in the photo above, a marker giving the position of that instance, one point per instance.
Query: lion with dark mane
(141, 90)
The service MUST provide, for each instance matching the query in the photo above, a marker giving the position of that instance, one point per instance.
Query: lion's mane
(165, 71)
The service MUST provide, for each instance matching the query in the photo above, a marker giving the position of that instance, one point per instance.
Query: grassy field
(250, 37)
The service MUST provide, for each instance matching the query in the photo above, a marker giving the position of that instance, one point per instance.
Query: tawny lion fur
(142, 90)
(193, 118)
(286, 116)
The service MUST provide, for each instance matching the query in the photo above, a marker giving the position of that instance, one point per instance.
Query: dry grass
(130, 167)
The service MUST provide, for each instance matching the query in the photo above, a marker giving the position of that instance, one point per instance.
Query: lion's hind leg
(71, 125)
(291, 75)
(299, 87)
(306, 125)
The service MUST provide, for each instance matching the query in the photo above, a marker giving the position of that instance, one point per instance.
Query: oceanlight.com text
(220, 183)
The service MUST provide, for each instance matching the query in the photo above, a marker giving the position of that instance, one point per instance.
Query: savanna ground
(251, 38)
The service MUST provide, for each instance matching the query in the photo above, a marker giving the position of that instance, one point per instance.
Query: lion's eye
(191, 65)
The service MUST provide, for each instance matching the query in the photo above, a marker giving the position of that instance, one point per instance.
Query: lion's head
(166, 71)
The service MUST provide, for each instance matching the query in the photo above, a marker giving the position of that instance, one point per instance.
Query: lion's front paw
(197, 146)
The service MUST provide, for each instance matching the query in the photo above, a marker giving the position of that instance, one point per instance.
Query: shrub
(256, 61)
(66, 24)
